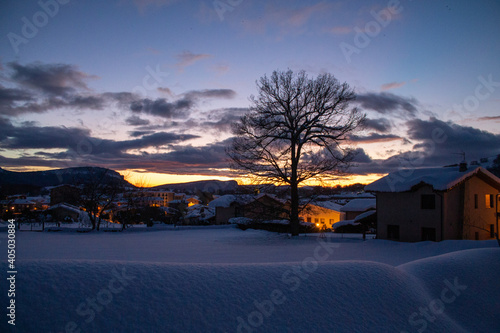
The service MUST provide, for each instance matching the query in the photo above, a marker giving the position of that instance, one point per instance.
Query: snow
(359, 205)
(365, 215)
(224, 201)
(343, 223)
(222, 279)
(441, 179)
(328, 205)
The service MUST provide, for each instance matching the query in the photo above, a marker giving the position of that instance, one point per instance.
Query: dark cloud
(136, 121)
(78, 140)
(161, 107)
(374, 137)
(382, 125)
(80, 149)
(360, 156)
(51, 79)
(181, 107)
(387, 103)
(38, 88)
(210, 93)
(223, 119)
(139, 133)
(436, 143)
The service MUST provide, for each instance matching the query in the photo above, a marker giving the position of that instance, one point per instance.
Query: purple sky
(153, 85)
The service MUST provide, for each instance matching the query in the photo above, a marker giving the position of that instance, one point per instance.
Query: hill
(212, 186)
(10, 180)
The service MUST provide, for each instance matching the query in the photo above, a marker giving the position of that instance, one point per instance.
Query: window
(316, 220)
(492, 231)
(428, 201)
(323, 221)
(489, 201)
(309, 219)
(476, 201)
(429, 234)
(393, 232)
(332, 221)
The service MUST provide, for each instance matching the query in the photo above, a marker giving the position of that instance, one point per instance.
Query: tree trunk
(294, 209)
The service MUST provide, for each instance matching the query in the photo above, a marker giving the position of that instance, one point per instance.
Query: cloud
(188, 58)
(374, 138)
(222, 119)
(39, 88)
(180, 108)
(50, 79)
(387, 103)
(382, 125)
(392, 85)
(493, 118)
(136, 121)
(436, 144)
(139, 133)
(287, 19)
(80, 148)
(360, 156)
(77, 139)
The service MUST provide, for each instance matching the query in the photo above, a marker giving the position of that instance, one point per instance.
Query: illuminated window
(489, 201)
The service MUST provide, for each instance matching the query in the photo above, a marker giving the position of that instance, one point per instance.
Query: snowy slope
(307, 296)
(225, 279)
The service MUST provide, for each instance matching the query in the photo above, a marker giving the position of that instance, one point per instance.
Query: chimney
(462, 166)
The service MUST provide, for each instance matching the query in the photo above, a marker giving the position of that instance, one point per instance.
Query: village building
(322, 213)
(356, 207)
(437, 204)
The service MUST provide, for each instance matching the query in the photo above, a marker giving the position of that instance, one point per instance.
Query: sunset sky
(150, 88)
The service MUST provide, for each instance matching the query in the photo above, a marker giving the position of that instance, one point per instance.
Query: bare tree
(99, 189)
(293, 132)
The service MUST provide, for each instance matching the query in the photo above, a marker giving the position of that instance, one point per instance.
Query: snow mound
(471, 277)
(307, 296)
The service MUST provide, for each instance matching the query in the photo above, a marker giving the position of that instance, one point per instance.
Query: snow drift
(308, 296)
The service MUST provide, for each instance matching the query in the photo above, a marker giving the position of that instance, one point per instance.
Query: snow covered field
(222, 279)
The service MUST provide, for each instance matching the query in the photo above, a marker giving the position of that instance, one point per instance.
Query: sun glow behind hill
(149, 179)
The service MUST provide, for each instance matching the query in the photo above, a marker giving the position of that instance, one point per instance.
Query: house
(356, 207)
(228, 206)
(322, 213)
(265, 207)
(437, 204)
(65, 212)
(64, 193)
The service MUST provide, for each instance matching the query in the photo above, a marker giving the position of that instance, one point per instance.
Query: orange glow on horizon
(150, 179)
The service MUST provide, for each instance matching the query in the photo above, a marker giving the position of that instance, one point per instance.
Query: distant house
(64, 212)
(322, 213)
(261, 207)
(265, 207)
(437, 204)
(228, 206)
(65, 193)
(358, 206)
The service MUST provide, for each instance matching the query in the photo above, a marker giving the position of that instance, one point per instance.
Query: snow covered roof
(359, 205)
(226, 200)
(365, 215)
(441, 179)
(328, 205)
(343, 223)
(66, 206)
